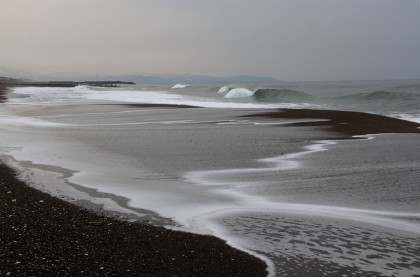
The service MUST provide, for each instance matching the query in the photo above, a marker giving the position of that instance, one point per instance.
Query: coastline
(44, 235)
(340, 125)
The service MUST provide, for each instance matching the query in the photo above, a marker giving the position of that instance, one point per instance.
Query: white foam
(243, 203)
(224, 89)
(180, 86)
(51, 91)
(29, 121)
(162, 97)
(83, 93)
(246, 203)
(139, 123)
(409, 117)
(49, 95)
(239, 93)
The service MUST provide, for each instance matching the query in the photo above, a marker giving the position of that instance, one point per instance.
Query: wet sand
(345, 122)
(2, 93)
(158, 106)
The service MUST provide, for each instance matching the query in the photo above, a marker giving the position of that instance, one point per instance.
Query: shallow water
(316, 246)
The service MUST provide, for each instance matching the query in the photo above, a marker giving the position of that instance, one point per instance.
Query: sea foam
(84, 93)
(245, 202)
(180, 86)
(224, 89)
(239, 93)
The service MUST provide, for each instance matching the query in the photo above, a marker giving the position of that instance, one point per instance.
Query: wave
(279, 94)
(267, 94)
(383, 95)
(82, 94)
(239, 93)
(164, 97)
(180, 86)
(414, 87)
(225, 89)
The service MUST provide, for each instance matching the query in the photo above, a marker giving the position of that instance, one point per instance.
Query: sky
(285, 39)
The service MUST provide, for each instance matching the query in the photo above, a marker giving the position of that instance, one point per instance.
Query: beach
(304, 192)
(43, 235)
(212, 138)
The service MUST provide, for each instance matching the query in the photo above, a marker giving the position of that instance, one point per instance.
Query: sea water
(304, 204)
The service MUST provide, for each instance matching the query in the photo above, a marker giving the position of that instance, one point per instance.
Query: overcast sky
(286, 39)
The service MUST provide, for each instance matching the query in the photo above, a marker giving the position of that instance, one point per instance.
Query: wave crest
(267, 94)
(180, 86)
(225, 89)
(239, 93)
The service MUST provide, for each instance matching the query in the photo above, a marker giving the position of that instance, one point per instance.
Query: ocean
(190, 157)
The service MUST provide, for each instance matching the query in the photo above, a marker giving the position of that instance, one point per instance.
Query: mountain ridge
(191, 79)
(142, 78)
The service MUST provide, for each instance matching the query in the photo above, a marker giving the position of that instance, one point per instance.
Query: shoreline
(44, 235)
(340, 125)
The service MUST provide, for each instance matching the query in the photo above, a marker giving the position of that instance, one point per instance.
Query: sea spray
(224, 89)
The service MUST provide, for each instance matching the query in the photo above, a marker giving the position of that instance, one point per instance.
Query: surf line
(244, 202)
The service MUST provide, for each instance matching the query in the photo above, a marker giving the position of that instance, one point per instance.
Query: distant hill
(148, 78)
(191, 79)
(5, 80)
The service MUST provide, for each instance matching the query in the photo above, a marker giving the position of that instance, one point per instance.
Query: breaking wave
(269, 95)
(180, 86)
(239, 93)
(224, 89)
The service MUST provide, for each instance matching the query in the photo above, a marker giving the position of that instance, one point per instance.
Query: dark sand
(44, 236)
(2, 93)
(344, 122)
